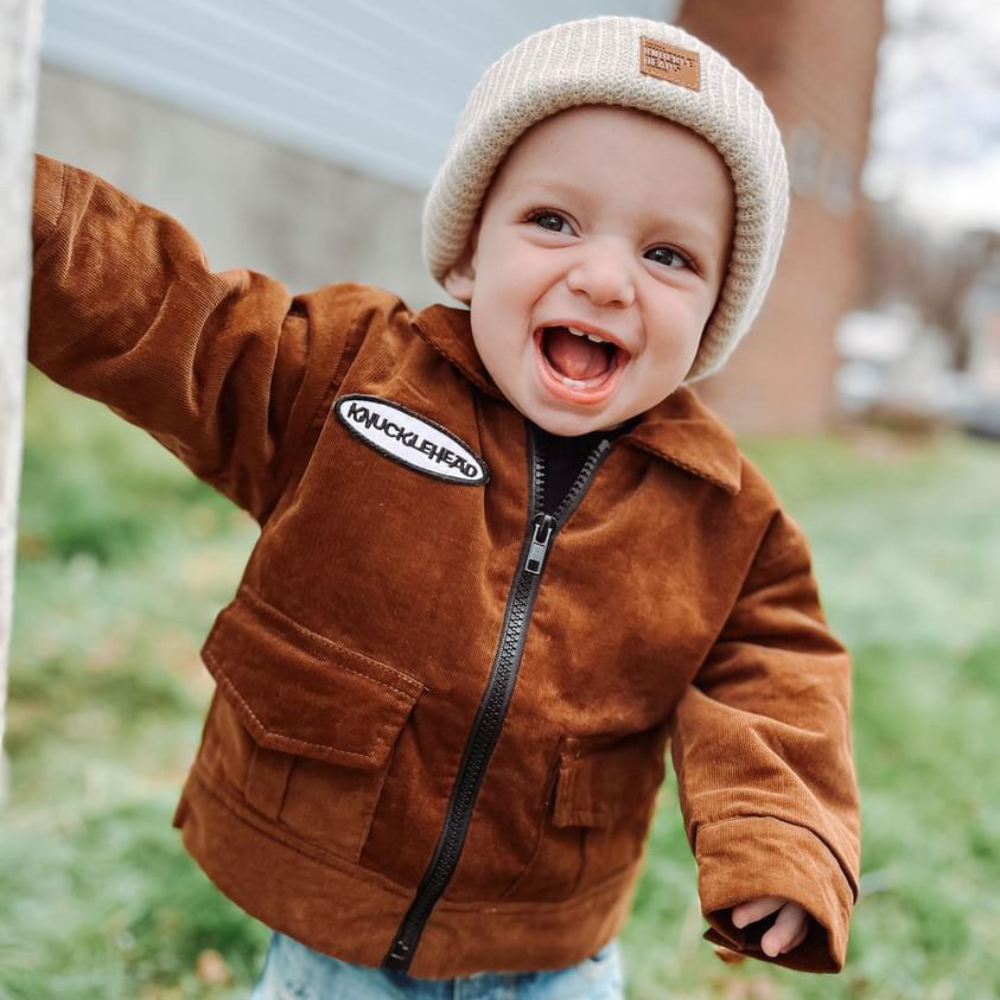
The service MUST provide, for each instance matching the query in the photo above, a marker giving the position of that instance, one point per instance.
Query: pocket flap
(302, 693)
(603, 778)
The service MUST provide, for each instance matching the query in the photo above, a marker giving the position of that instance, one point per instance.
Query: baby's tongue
(574, 357)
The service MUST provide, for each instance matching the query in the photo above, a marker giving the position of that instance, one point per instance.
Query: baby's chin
(569, 422)
(574, 428)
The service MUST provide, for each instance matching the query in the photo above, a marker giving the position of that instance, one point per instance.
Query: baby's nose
(603, 272)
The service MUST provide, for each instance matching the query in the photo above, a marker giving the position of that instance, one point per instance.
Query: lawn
(124, 559)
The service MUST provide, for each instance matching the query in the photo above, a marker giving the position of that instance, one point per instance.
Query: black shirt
(564, 458)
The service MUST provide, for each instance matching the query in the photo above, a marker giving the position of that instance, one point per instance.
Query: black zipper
(539, 535)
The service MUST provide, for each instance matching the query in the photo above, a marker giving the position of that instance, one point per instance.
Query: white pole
(20, 36)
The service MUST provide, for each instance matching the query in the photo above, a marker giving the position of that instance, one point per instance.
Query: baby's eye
(668, 257)
(552, 221)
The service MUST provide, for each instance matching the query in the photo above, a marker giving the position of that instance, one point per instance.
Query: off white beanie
(635, 63)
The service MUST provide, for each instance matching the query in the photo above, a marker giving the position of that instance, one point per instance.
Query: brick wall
(815, 62)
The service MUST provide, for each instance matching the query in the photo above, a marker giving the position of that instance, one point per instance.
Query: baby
(506, 556)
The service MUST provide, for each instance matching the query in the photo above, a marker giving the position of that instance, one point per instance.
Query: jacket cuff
(50, 193)
(748, 858)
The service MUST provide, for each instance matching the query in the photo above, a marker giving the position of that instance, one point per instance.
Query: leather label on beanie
(669, 62)
(410, 439)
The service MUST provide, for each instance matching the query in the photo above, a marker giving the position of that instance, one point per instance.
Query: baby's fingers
(788, 931)
(757, 909)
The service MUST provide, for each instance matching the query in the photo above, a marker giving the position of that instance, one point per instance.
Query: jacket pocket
(607, 786)
(304, 727)
(602, 780)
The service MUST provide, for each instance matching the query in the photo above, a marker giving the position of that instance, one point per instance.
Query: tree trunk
(20, 33)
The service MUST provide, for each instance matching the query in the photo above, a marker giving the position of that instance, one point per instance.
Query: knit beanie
(634, 63)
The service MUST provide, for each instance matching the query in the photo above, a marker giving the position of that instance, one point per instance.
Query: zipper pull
(399, 957)
(544, 526)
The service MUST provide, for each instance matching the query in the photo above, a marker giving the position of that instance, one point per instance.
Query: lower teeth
(572, 382)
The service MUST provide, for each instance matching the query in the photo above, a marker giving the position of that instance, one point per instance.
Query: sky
(936, 132)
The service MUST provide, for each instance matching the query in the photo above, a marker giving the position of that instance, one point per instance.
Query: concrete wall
(372, 84)
(250, 203)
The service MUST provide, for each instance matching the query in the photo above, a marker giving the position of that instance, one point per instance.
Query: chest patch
(412, 440)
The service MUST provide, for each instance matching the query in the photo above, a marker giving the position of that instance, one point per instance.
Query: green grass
(125, 558)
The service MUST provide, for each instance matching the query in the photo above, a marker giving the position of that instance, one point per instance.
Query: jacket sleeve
(222, 368)
(763, 754)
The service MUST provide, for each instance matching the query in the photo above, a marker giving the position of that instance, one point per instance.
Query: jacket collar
(681, 430)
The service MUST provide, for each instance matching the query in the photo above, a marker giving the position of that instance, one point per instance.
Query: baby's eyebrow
(535, 185)
(687, 231)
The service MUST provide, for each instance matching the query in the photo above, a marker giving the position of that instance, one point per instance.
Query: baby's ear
(460, 278)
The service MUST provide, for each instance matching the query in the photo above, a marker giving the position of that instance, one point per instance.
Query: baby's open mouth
(576, 355)
(579, 363)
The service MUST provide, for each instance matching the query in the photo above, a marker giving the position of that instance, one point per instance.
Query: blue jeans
(295, 972)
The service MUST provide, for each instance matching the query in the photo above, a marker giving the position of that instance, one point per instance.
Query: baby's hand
(789, 928)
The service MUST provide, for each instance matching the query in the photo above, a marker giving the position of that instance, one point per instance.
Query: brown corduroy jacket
(441, 719)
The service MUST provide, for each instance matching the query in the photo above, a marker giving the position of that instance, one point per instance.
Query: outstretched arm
(222, 368)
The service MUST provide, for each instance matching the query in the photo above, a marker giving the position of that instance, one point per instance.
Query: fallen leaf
(728, 956)
(212, 969)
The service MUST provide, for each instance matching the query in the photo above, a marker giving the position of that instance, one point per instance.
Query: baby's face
(597, 262)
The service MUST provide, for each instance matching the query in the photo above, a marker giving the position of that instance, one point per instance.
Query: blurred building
(981, 320)
(815, 63)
